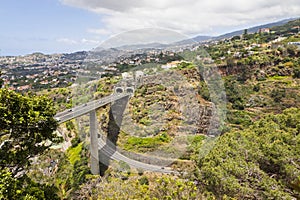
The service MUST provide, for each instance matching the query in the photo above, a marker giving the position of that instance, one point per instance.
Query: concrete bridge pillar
(94, 143)
(115, 120)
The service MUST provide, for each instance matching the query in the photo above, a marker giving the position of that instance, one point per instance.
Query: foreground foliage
(261, 162)
(140, 187)
(26, 131)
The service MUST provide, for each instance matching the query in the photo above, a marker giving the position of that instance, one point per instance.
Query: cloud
(73, 42)
(100, 31)
(189, 16)
(67, 41)
(143, 36)
(89, 41)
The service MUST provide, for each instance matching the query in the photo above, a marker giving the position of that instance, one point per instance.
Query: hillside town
(38, 71)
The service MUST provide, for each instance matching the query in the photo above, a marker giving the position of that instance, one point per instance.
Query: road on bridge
(87, 107)
(115, 155)
(106, 149)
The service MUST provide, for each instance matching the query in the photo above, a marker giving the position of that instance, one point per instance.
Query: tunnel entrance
(119, 90)
(130, 90)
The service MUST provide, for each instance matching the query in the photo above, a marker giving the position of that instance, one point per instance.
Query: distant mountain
(127, 50)
(79, 55)
(288, 27)
(201, 38)
(190, 41)
(154, 45)
(253, 29)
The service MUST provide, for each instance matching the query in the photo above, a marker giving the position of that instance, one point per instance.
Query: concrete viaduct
(102, 151)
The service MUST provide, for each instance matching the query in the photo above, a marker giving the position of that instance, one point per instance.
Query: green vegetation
(26, 123)
(74, 153)
(69, 172)
(141, 187)
(195, 143)
(185, 65)
(146, 144)
(256, 157)
(24, 188)
(26, 131)
(261, 162)
(288, 28)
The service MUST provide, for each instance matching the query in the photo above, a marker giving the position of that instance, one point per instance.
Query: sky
(62, 26)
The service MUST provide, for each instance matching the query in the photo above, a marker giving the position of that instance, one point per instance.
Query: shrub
(75, 141)
(296, 73)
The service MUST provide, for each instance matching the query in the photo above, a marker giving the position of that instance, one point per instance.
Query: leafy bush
(204, 91)
(75, 141)
(144, 181)
(261, 162)
(147, 143)
(256, 88)
(296, 73)
(239, 117)
(278, 94)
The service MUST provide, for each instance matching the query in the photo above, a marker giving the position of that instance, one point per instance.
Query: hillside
(254, 29)
(240, 143)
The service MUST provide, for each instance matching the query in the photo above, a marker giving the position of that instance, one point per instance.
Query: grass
(145, 121)
(74, 153)
(195, 139)
(146, 144)
(278, 78)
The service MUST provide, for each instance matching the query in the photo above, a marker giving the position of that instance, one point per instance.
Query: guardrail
(87, 107)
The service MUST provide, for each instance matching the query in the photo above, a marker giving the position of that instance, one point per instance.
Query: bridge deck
(114, 155)
(86, 108)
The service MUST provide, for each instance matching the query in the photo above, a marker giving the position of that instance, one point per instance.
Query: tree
(230, 62)
(260, 162)
(296, 73)
(26, 129)
(233, 94)
(244, 73)
(146, 187)
(1, 81)
(7, 184)
(292, 50)
(24, 188)
(237, 37)
(278, 94)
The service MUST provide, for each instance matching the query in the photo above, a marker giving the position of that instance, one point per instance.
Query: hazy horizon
(65, 26)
